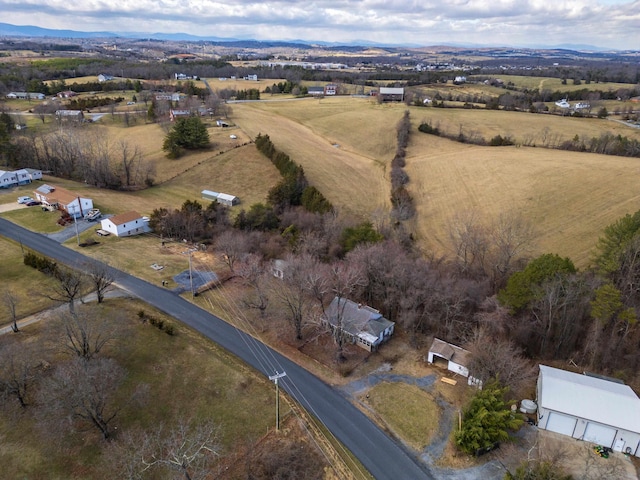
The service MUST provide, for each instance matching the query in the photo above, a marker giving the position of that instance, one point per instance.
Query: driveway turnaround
(382, 457)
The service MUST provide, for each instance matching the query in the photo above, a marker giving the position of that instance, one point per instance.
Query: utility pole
(190, 274)
(274, 378)
(76, 222)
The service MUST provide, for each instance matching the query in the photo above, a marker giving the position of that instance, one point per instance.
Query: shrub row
(41, 264)
(294, 189)
(401, 199)
(160, 324)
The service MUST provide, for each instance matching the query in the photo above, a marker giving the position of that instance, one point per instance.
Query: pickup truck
(92, 215)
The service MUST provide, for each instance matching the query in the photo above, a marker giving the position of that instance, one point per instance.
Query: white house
(126, 224)
(8, 179)
(104, 78)
(62, 199)
(34, 174)
(590, 408)
(22, 176)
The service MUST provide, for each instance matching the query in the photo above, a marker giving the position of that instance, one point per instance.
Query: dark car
(32, 203)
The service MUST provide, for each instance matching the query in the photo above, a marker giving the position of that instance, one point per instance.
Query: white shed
(456, 358)
(590, 408)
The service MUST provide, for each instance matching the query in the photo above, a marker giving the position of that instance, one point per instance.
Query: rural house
(8, 179)
(126, 224)
(70, 115)
(62, 199)
(331, 89)
(104, 78)
(176, 114)
(388, 94)
(22, 176)
(315, 91)
(362, 325)
(591, 408)
(25, 95)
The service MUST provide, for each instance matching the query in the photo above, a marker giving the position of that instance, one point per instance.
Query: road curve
(384, 458)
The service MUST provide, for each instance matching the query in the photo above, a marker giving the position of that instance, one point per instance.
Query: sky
(612, 24)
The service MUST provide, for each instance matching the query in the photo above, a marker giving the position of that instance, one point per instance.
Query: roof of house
(391, 91)
(125, 217)
(451, 352)
(591, 398)
(57, 194)
(69, 113)
(357, 319)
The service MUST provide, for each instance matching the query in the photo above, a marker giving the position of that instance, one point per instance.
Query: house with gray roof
(363, 325)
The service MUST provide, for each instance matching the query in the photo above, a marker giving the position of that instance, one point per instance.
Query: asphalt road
(384, 458)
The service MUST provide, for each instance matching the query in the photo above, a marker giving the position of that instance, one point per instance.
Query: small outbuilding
(455, 358)
(126, 224)
(223, 198)
(588, 407)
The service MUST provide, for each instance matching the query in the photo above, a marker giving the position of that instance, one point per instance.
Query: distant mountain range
(31, 31)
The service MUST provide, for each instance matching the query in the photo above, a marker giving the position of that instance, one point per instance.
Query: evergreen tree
(487, 420)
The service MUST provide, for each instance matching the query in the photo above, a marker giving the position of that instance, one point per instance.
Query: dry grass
(411, 413)
(26, 284)
(346, 162)
(188, 375)
(524, 128)
(569, 197)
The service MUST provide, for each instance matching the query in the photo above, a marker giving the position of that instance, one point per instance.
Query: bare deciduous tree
(10, 301)
(68, 287)
(189, 450)
(293, 291)
(83, 393)
(511, 237)
(101, 277)
(85, 333)
(233, 244)
(497, 358)
(253, 273)
(17, 371)
(344, 279)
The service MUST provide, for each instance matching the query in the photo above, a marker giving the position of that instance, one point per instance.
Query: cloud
(607, 23)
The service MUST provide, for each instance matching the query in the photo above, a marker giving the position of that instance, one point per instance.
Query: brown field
(348, 164)
(524, 128)
(570, 197)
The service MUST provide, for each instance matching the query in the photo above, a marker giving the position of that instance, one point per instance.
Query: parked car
(22, 200)
(33, 203)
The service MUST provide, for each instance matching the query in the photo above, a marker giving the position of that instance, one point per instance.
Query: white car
(233, 137)
(22, 200)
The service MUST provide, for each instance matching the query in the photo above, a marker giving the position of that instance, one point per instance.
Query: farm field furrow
(569, 197)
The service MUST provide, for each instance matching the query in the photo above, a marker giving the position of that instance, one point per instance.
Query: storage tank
(528, 406)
